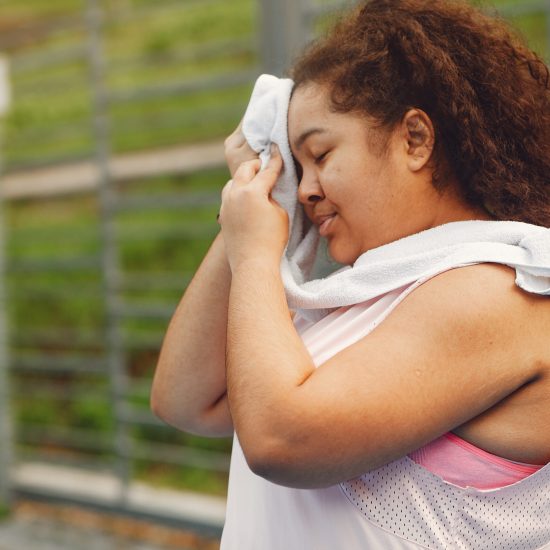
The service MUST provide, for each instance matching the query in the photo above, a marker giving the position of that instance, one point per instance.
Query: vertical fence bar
(282, 34)
(6, 430)
(110, 264)
(6, 435)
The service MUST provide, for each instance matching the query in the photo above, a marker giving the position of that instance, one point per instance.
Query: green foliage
(51, 115)
(63, 313)
(38, 411)
(5, 511)
(182, 477)
(58, 312)
(91, 413)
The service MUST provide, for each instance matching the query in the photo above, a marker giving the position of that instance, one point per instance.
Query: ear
(419, 135)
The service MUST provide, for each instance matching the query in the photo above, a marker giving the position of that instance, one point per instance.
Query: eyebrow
(300, 141)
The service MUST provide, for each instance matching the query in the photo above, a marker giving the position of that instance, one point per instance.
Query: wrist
(268, 265)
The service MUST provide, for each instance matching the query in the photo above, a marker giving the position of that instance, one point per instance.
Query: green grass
(63, 313)
(55, 104)
(183, 477)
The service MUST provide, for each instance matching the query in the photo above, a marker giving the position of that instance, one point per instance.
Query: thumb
(270, 174)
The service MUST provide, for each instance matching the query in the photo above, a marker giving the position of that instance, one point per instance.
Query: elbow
(158, 405)
(161, 404)
(163, 410)
(264, 460)
(284, 471)
(280, 464)
(261, 449)
(214, 421)
(161, 400)
(156, 401)
(155, 405)
(273, 449)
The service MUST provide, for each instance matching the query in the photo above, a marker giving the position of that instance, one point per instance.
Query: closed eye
(318, 160)
(321, 158)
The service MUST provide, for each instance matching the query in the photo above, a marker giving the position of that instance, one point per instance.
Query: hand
(237, 150)
(254, 226)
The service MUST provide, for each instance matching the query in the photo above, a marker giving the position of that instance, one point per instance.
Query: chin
(342, 255)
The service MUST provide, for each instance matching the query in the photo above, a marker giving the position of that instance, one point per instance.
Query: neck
(452, 207)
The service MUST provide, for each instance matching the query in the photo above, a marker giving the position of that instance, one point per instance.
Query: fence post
(6, 427)
(109, 255)
(282, 33)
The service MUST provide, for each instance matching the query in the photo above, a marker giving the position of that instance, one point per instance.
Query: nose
(309, 190)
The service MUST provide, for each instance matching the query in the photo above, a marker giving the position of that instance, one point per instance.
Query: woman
(419, 419)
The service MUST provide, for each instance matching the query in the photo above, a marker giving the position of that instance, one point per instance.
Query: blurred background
(112, 120)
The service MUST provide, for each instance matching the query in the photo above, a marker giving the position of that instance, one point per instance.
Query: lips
(324, 223)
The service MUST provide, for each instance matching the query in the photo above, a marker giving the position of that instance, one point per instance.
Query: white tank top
(400, 506)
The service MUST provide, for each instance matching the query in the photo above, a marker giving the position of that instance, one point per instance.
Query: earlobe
(420, 138)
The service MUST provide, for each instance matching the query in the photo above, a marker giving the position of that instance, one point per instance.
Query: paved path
(47, 524)
(46, 535)
(37, 526)
(103, 489)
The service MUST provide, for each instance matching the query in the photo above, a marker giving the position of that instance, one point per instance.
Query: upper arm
(454, 347)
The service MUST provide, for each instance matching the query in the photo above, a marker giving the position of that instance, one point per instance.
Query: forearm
(266, 359)
(190, 375)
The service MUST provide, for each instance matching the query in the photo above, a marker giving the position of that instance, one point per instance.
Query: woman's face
(353, 177)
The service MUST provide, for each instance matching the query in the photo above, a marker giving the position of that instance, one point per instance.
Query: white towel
(523, 246)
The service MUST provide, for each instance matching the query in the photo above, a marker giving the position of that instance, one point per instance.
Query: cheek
(333, 182)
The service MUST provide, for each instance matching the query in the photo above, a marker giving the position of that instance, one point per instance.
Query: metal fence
(106, 229)
(110, 189)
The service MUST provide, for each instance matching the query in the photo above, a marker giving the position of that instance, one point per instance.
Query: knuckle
(239, 171)
(245, 167)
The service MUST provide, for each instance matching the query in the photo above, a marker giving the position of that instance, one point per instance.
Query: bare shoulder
(497, 279)
(488, 289)
(484, 297)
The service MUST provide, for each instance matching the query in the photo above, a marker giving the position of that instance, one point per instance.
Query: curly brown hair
(486, 92)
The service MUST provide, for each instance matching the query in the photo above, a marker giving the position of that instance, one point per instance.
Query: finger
(225, 192)
(266, 180)
(268, 177)
(247, 171)
(236, 138)
(226, 189)
(276, 160)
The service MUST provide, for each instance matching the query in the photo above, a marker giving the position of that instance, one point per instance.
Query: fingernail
(274, 149)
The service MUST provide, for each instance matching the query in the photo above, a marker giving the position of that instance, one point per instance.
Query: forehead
(310, 110)
(309, 104)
